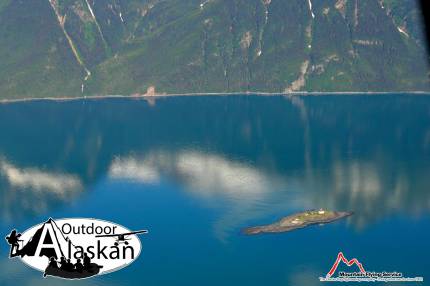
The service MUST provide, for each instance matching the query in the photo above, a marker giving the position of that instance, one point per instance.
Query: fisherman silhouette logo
(75, 248)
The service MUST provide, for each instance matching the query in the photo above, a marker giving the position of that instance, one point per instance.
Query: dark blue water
(196, 170)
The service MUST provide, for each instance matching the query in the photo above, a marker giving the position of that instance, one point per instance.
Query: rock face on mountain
(74, 47)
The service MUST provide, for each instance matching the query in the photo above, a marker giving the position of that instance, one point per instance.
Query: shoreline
(155, 96)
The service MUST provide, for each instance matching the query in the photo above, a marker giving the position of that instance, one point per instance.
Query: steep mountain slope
(75, 47)
(34, 56)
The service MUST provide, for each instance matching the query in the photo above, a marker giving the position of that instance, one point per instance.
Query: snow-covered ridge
(310, 8)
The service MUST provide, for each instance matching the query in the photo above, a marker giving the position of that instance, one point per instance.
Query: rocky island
(298, 220)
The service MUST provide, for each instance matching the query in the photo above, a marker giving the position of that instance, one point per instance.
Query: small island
(298, 220)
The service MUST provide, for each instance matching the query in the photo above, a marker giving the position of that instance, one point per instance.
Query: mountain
(74, 47)
(29, 249)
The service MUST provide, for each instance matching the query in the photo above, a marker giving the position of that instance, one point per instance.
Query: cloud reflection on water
(31, 190)
(367, 187)
(130, 168)
(206, 175)
(269, 156)
(38, 180)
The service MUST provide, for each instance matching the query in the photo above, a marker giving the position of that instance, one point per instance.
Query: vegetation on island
(299, 220)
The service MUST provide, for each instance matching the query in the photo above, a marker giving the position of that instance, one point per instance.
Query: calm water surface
(196, 170)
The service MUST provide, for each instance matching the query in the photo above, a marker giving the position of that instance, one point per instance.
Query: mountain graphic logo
(341, 258)
(75, 248)
(362, 275)
(48, 234)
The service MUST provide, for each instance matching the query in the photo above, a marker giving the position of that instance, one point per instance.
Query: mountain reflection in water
(261, 155)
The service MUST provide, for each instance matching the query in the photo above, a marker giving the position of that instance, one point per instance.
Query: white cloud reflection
(131, 169)
(30, 190)
(358, 178)
(203, 174)
(368, 187)
(210, 174)
(38, 180)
